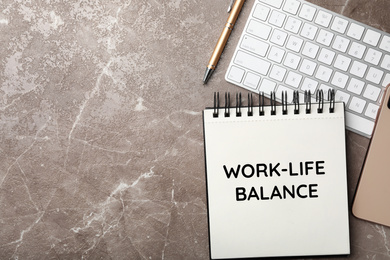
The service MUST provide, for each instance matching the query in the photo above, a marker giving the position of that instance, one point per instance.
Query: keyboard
(290, 45)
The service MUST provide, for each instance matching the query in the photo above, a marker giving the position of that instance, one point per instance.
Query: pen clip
(230, 6)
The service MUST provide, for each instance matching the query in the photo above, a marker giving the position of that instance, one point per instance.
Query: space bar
(252, 62)
(358, 123)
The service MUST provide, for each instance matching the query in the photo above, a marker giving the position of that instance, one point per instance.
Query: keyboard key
(323, 18)
(267, 86)
(294, 43)
(308, 67)
(373, 56)
(253, 63)
(323, 73)
(309, 85)
(277, 73)
(339, 25)
(342, 62)
(342, 96)
(259, 29)
(357, 104)
(236, 74)
(359, 123)
(276, 54)
(291, 6)
(386, 62)
(340, 80)
(293, 79)
(253, 45)
(385, 43)
(355, 31)
(292, 61)
(277, 18)
(374, 75)
(326, 56)
(274, 3)
(355, 86)
(372, 92)
(310, 50)
(357, 50)
(252, 80)
(372, 110)
(341, 44)
(278, 37)
(309, 31)
(307, 12)
(293, 25)
(261, 12)
(372, 37)
(358, 69)
(324, 37)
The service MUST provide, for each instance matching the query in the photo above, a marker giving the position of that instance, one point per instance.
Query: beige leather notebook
(372, 198)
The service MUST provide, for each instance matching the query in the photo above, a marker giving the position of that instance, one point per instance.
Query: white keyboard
(292, 45)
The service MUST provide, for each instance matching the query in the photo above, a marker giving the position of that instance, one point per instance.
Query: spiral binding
(273, 103)
(307, 102)
(227, 104)
(216, 104)
(261, 104)
(238, 104)
(296, 102)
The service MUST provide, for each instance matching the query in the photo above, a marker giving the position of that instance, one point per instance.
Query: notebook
(276, 178)
(372, 195)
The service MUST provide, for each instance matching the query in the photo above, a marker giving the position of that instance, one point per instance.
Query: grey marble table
(101, 140)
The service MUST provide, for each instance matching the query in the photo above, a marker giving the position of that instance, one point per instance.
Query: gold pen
(234, 12)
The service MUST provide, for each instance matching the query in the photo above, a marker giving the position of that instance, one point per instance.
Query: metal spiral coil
(320, 100)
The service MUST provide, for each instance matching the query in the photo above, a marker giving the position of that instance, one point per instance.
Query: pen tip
(230, 6)
(207, 75)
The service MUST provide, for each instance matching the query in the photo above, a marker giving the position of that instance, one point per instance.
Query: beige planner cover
(372, 198)
(276, 185)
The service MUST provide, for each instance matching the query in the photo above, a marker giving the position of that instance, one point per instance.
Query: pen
(234, 12)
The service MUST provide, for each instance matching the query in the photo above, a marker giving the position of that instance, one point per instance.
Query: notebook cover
(371, 200)
(276, 185)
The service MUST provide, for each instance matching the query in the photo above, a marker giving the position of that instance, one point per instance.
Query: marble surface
(101, 142)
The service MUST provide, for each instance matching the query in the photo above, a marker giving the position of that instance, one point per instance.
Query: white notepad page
(307, 213)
